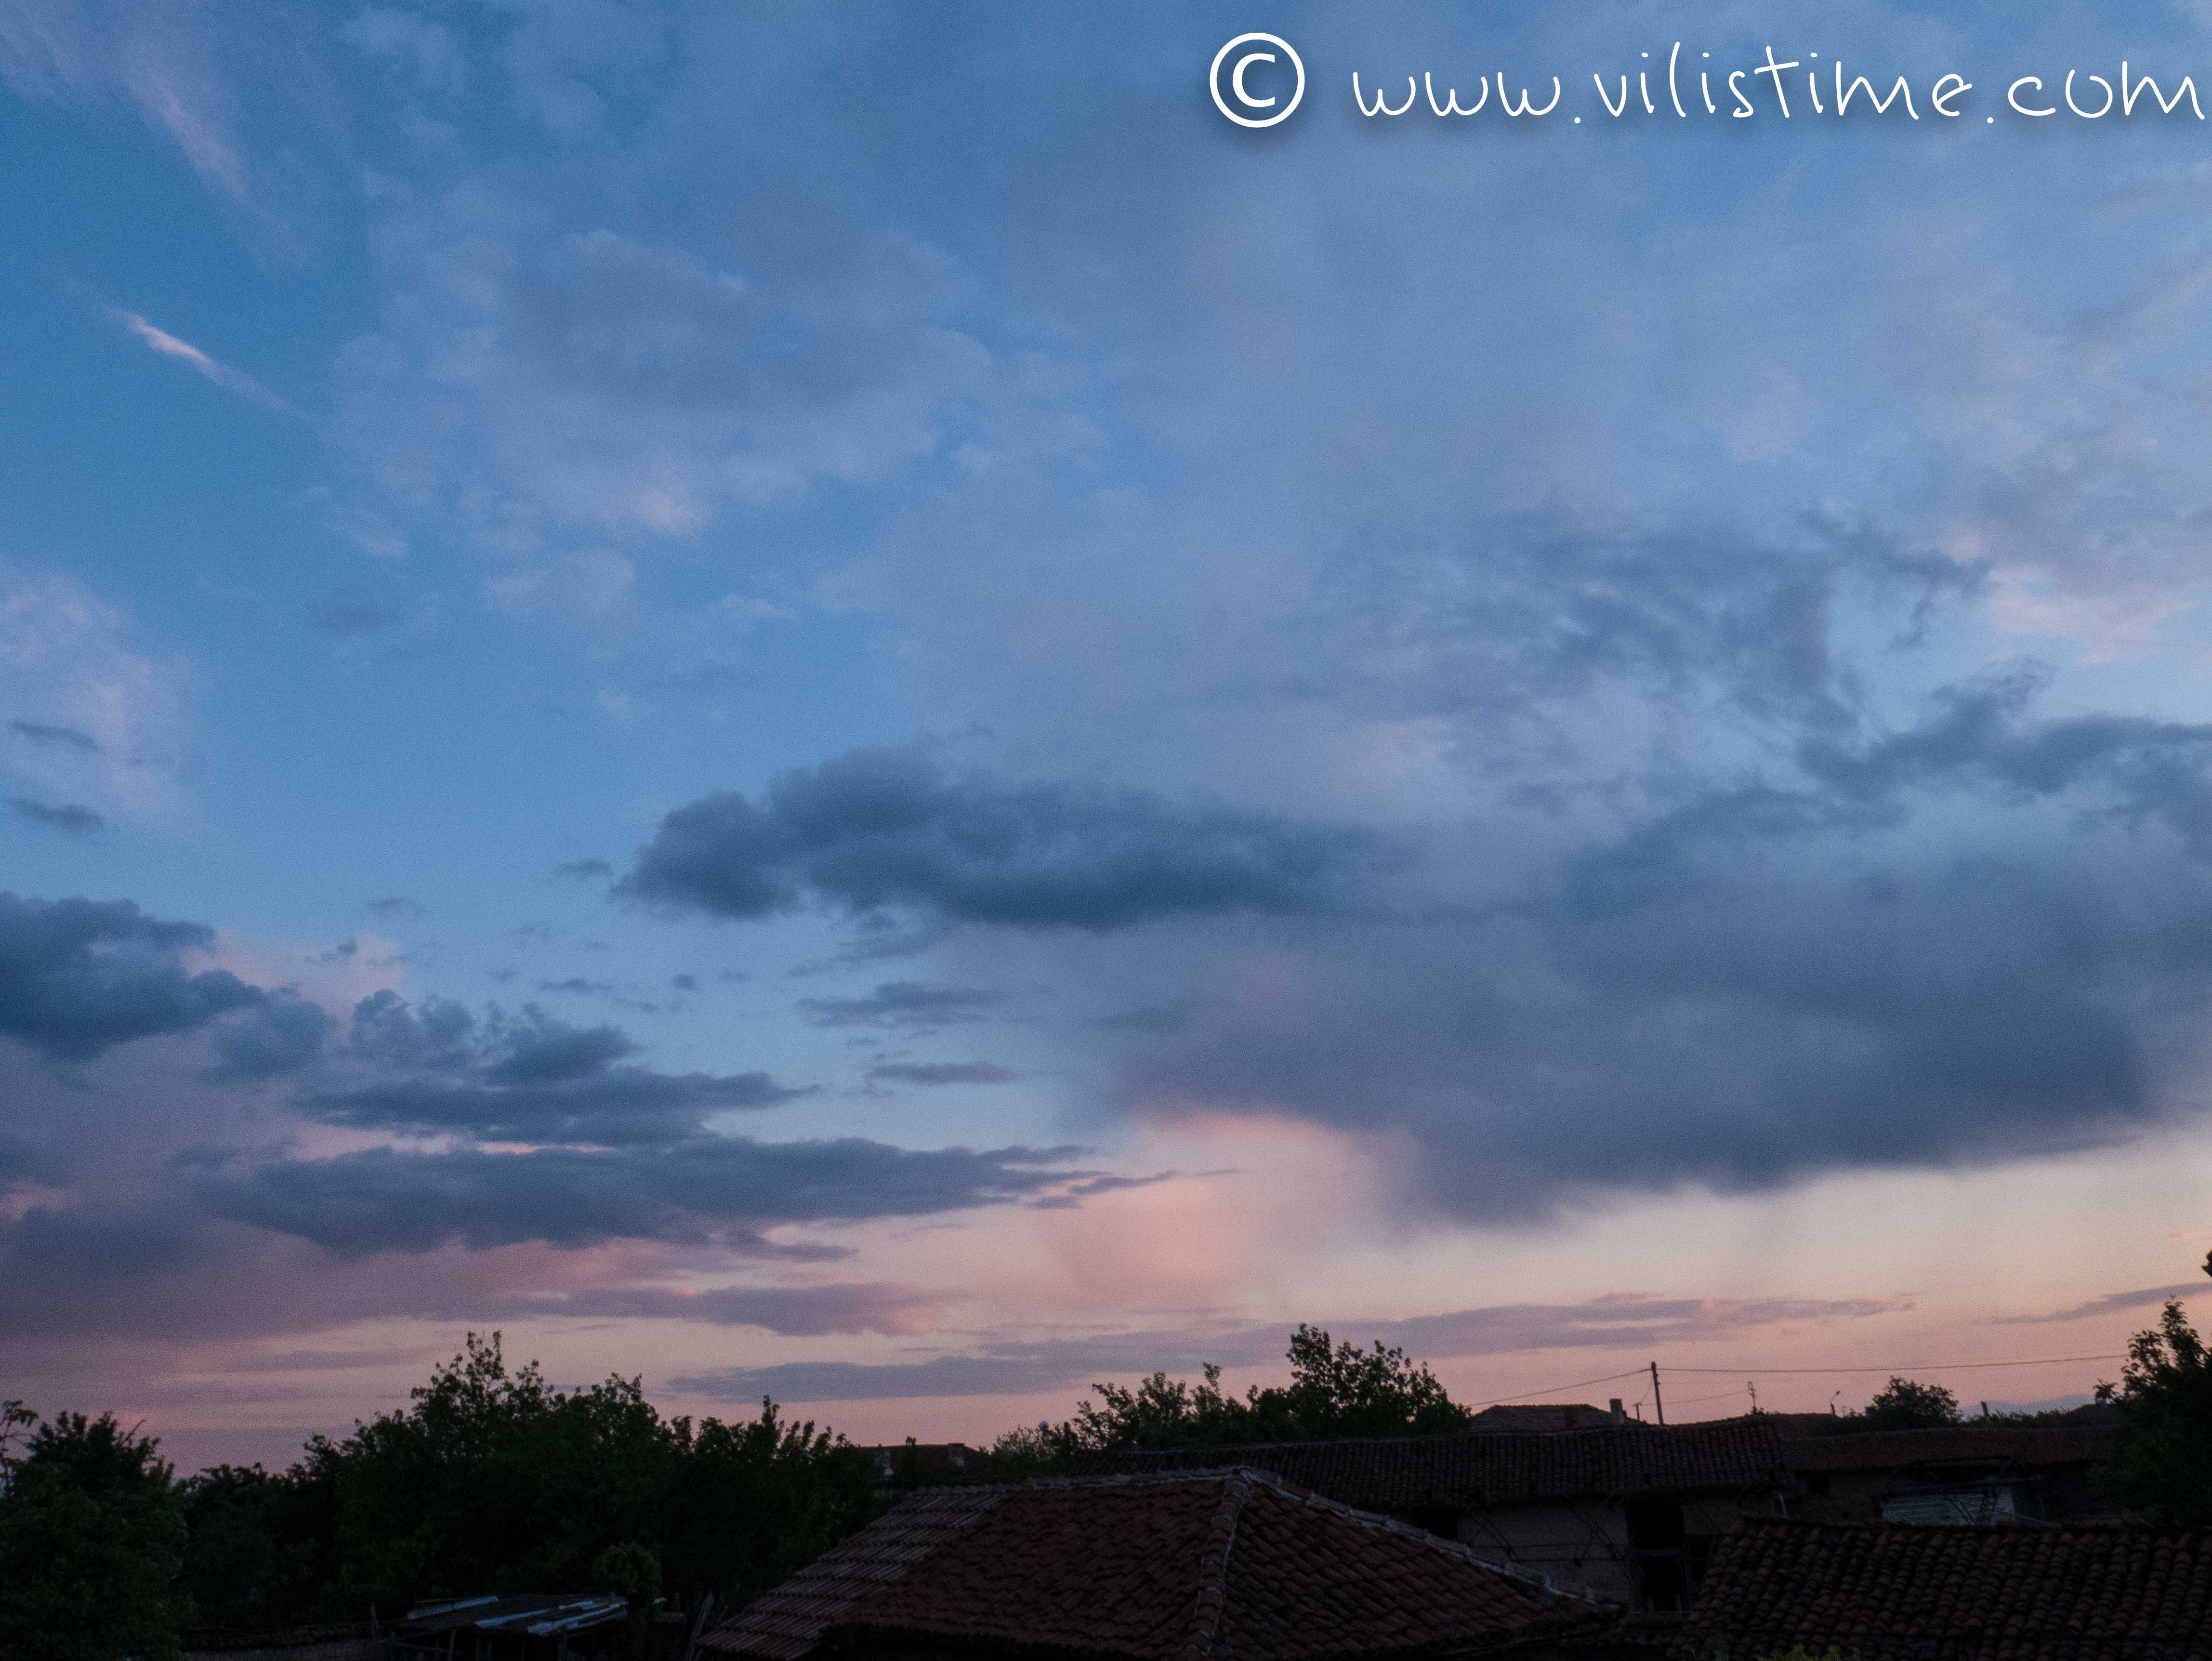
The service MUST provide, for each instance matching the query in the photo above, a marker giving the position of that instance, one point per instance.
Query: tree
(91, 1535)
(261, 1548)
(752, 1502)
(1903, 1405)
(1335, 1390)
(2163, 1466)
(492, 1481)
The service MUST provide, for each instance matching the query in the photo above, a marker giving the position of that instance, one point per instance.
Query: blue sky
(849, 701)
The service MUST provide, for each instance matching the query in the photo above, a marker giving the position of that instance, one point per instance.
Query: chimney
(1613, 1407)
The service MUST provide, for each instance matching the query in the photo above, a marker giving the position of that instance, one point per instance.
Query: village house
(1179, 1568)
(1631, 1512)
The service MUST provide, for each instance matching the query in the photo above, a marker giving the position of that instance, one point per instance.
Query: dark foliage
(91, 1535)
(1901, 1404)
(260, 1547)
(2163, 1468)
(490, 1481)
(1335, 1390)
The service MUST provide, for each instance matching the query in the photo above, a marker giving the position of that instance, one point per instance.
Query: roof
(1968, 1443)
(2096, 1593)
(1477, 1468)
(1225, 1563)
(539, 1614)
(1540, 1416)
(785, 1623)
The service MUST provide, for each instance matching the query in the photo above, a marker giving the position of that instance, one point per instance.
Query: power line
(1498, 1401)
(1756, 1373)
(1902, 1366)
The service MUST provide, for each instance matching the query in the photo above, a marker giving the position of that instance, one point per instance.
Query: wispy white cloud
(230, 379)
(83, 716)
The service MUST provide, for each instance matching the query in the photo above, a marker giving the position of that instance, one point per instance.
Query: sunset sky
(846, 701)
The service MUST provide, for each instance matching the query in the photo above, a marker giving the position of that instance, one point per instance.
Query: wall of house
(1580, 1545)
(1586, 1544)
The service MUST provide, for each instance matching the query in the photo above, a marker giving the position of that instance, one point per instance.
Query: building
(1627, 1513)
(1899, 1592)
(1957, 1474)
(1631, 1512)
(911, 1461)
(1178, 1567)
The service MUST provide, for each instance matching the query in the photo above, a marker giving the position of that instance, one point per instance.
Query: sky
(851, 702)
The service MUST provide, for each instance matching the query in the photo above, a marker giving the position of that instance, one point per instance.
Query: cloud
(102, 724)
(875, 829)
(2110, 1303)
(528, 1078)
(78, 977)
(397, 905)
(881, 1307)
(1957, 930)
(38, 733)
(350, 619)
(1021, 1368)
(902, 1004)
(430, 56)
(584, 870)
(722, 1190)
(283, 1035)
(70, 819)
(242, 91)
(939, 1072)
(183, 351)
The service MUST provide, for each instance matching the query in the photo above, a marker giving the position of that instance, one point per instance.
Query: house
(1954, 1475)
(2092, 1592)
(1544, 1416)
(1631, 1511)
(910, 1461)
(1627, 1512)
(1182, 1566)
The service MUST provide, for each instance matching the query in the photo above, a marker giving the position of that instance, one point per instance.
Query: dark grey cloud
(1975, 935)
(795, 1311)
(397, 906)
(68, 737)
(724, 1190)
(904, 1004)
(939, 1072)
(2110, 1303)
(78, 977)
(283, 1035)
(350, 618)
(884, 828)
(68, 819)
(1013, 1368)
(443, 1069)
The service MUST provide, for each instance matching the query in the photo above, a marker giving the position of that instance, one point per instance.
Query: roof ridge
(1220, 1546)
(1375, 1522)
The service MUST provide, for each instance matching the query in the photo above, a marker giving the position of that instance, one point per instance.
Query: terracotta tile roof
(1175, 1568)
(1895, 1449)
(1479, 1469)
(2098, 1592)
(784, 1624)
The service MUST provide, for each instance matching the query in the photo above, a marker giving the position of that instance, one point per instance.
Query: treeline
(490, 1480)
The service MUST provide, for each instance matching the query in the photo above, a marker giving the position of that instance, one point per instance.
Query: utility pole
(1658, 1406)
